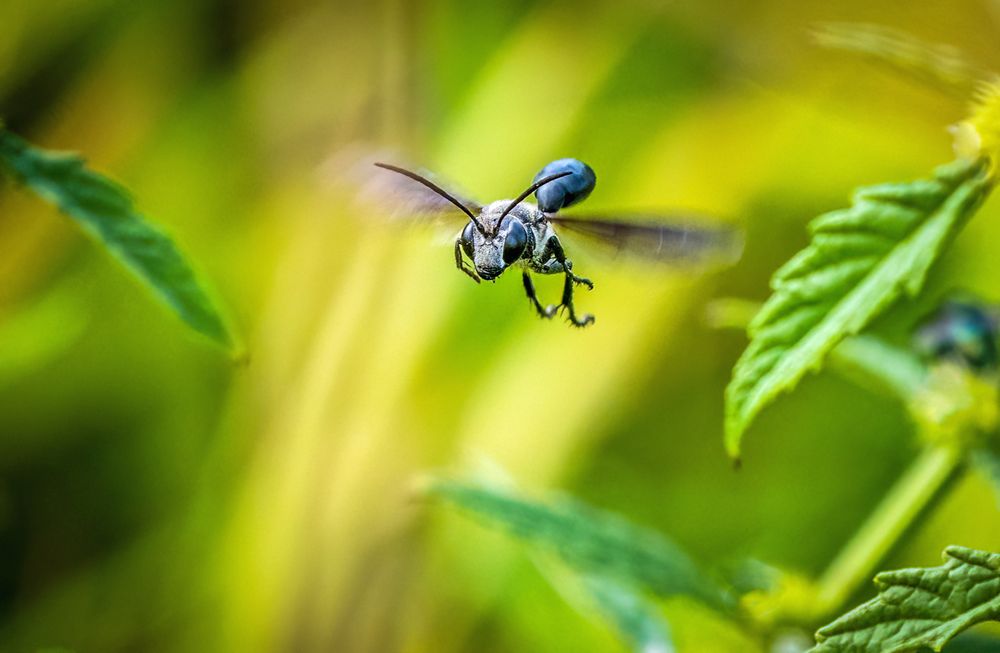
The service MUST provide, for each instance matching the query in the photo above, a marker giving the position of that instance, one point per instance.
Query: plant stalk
(925, 481)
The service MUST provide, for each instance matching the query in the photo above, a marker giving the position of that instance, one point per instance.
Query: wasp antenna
(531, 189)
(434, 187)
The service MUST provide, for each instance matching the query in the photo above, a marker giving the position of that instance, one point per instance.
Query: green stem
(913, 493)
(873, 363)
(867, 360)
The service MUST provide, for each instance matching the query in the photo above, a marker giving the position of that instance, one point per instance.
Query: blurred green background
(154, 496)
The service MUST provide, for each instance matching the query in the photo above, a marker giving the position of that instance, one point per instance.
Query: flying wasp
(516, 232)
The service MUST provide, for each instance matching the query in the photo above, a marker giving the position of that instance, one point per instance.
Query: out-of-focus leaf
(589, 540)
(859, 262)
(941, 66)
(637, 620)
(921, 607)
(105, 210)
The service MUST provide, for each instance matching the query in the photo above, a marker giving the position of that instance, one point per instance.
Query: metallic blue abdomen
(569, 190)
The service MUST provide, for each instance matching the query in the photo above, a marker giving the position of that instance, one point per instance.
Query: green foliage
(590, 541)
(867, 360)
(877, 365)
(105, 210)
(141, 494)
(637, 620)
(859, 262)
(921, 607)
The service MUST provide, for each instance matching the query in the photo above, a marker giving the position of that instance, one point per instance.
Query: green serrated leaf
(590, 541)
(920, 608)
(105, 210)
(860, 261)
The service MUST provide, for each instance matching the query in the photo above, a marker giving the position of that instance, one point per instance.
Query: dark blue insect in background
(963, 332)
(516, 232)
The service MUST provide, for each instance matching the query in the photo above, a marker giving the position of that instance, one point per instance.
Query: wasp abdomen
(569, 190)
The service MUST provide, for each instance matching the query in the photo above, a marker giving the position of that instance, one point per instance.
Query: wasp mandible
(516, 232)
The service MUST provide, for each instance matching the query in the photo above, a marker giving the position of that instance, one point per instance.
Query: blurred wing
(401, 197)
(653, 238)
(391, 195)
(943, 67)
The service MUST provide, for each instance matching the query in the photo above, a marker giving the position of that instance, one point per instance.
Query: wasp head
(498, 239)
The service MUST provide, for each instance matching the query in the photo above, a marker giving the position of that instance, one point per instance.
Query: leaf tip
(733, 438)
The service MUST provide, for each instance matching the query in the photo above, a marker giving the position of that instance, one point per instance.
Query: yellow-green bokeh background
(153, 496)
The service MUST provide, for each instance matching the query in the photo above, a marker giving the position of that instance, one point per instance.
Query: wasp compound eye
(467, 239)
(569, 190)
(515, 242)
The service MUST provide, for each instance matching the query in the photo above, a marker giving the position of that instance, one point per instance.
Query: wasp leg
(529, 289)
(568, 267)
(567, 300)
(460, 262)
(557, 262)
(571, 280)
